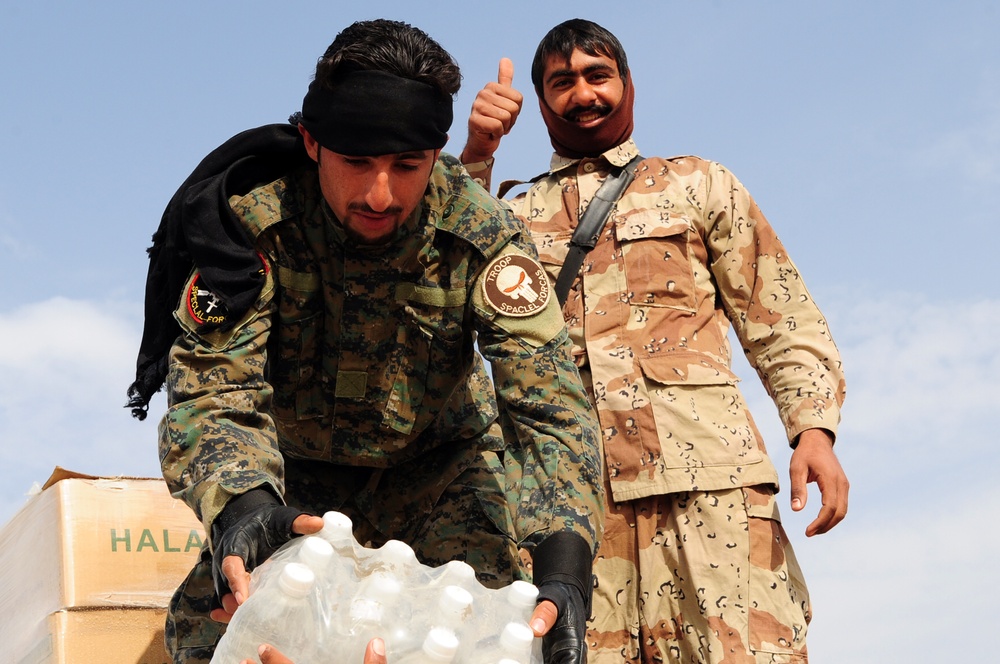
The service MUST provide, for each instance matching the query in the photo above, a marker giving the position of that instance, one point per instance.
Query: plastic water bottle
(397, 558)
(315, 553)
(514, 643)
(457, 573)
(371, 613)
(511, 604)
(439, 647)
(448, 614)
(516, 603)
(278, 613)
(338, 530)
(425, 615)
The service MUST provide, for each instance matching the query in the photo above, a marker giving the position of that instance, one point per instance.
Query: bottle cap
(516, 638)
(296, 579)
(441, 644)
(459, 572)
(522, 594)
(380, 591)
(316, 552)
(383, 587)
(337, 526)
(397, 554)
(454, 602)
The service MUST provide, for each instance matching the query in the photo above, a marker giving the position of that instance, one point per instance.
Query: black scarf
(198, 229)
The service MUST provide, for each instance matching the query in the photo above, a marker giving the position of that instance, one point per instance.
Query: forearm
(216, 438)
(780, 327)
(800, 366)
(553, 447)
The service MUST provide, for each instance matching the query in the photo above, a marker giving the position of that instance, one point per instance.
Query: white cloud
(916, 552)
(64, 368)
(10, 245)
(912, 584)
(923, 364)
(921, 376)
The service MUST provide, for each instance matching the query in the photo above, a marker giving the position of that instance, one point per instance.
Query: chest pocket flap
(656, 253)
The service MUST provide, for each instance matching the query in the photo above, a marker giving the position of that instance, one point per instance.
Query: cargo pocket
(430, 336)
(779, 610)
(655, 252)
(701, 418)
(189, 632)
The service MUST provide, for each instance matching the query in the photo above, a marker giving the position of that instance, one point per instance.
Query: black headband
(370, 113)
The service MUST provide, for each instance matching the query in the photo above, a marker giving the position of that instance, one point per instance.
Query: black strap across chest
(592, 222)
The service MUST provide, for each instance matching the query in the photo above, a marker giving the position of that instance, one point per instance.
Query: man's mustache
(366, 209)
(573, 115)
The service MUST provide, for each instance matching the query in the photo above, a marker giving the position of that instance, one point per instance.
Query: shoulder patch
(516, 285)
(204, 305)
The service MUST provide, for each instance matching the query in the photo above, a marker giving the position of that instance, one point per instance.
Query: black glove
(562, 571)
(251, 526)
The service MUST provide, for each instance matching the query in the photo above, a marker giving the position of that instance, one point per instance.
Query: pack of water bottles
(322, 598)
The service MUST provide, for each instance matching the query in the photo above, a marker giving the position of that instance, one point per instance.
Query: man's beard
(368, 241)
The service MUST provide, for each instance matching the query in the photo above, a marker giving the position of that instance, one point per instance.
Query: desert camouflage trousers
(448, 508)
(698, 577)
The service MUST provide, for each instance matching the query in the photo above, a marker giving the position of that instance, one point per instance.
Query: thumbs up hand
(494, 112)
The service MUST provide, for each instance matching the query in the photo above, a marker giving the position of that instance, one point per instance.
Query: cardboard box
(101, 636)
(91, 542)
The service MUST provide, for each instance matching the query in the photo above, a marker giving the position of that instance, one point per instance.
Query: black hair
(575, 33)
(392, 47)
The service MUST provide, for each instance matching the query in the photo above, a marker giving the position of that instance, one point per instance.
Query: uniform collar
(620, 155)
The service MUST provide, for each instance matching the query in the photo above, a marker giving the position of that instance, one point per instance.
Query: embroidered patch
(515, 285)
(204, 305)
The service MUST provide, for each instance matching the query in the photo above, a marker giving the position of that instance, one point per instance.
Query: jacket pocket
(701, 417)
(295, 350)
(656, 257)
(432, 357)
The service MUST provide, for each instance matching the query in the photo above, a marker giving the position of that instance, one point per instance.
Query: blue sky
(869, 133)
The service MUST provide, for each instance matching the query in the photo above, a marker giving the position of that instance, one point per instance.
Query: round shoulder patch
(204, 305)
(515, 285)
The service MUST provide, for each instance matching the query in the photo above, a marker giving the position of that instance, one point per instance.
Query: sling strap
(592, 222)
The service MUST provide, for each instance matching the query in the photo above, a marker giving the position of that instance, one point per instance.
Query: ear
(312, 146)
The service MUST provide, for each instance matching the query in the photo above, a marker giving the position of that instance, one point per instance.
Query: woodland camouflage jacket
(367, 357)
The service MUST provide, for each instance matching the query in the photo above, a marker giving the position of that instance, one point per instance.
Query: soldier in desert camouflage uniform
(352, 381)
(694, 565)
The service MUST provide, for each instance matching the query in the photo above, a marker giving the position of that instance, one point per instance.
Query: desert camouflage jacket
(367, 357)
(686, 253)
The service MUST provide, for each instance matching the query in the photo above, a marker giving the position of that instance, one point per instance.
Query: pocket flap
(642, 224)
(686, 368)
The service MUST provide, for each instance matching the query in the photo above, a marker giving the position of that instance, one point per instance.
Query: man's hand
(543, 618)
(249, 530)
(814, 461)
(563, 617)
(494, 112)
(374, 654)
(562, 572)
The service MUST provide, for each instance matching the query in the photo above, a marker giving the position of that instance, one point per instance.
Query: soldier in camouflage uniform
(351, 382)
(694, 565)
